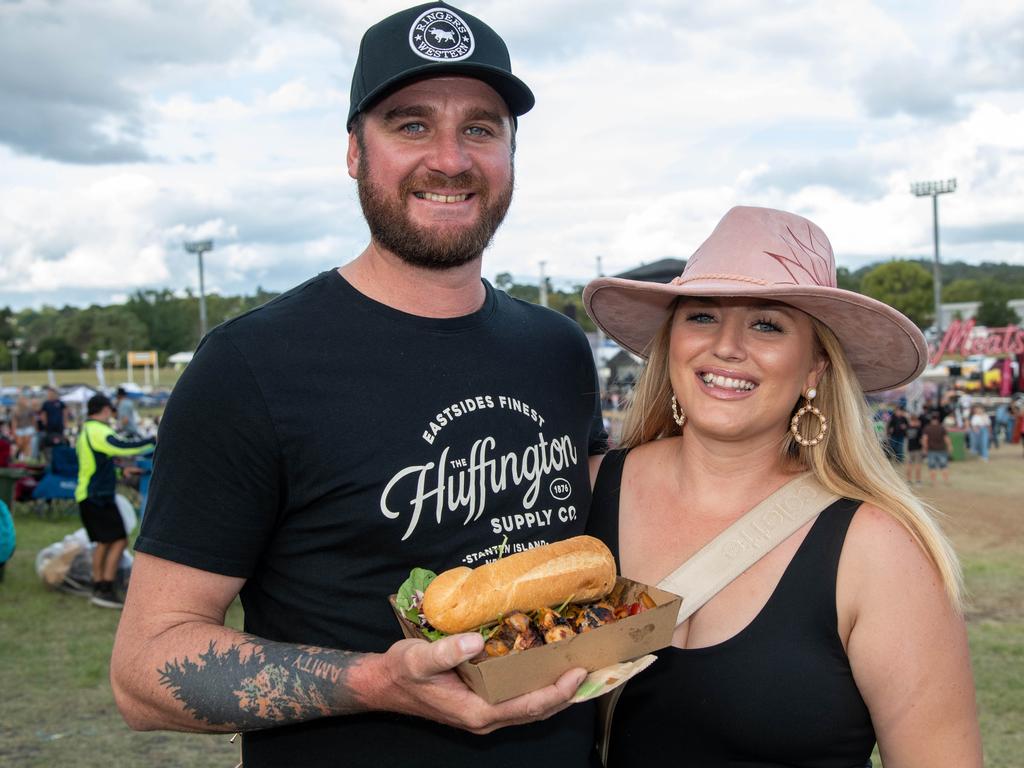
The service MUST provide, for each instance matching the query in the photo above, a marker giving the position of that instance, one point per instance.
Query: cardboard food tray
(505, 677)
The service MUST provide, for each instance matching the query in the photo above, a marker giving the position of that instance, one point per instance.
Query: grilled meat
(593, 616)
(518, 632)
(553, 626)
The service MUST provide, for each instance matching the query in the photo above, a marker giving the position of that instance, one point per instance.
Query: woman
(23, 419)
(850, 630)
(981, 427)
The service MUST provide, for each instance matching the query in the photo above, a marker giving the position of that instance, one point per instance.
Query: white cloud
(182, 107)
(131, 128)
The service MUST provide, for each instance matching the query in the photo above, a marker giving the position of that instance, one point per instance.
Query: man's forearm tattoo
(260, 684)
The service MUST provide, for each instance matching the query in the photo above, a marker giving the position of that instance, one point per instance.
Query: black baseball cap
(97, 403)
(432, 40)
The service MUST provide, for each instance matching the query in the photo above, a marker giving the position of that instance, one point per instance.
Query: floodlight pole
(199, 247)
(934, 189)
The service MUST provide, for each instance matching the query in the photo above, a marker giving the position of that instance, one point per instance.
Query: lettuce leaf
(410, 594)
(409, 600)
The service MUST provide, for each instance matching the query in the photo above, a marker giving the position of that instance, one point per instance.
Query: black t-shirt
(898, 426)
(323, 445)
(54, 410)
(914, 437)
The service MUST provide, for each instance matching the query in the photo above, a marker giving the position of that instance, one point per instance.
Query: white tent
(180, 358)
(78, 396)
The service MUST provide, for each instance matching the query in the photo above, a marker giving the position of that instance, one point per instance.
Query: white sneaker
(106, 599)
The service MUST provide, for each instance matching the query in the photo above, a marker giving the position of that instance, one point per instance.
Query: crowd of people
(37, 421)
(105, 432)
(922, 437)
(32, 425)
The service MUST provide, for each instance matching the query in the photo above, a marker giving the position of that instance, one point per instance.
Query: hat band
(718, 276)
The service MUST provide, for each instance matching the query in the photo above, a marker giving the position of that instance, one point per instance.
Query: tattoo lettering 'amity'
(259, 684)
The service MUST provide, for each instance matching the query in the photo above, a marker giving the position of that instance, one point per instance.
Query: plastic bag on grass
(67, 564)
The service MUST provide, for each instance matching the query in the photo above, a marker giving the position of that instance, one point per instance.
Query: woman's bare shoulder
(882, 560)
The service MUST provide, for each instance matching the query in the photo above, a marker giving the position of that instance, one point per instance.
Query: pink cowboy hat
(769, 254)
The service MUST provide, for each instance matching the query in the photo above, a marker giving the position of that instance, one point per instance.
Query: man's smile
(436, 198)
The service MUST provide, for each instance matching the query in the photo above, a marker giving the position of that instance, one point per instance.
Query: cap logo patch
(440, 35)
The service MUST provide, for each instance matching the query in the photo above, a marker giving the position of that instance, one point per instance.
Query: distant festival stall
(1007, 342)
(150, 367)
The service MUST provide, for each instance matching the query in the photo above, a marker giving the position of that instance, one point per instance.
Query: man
(937, 446)
(127, 415)
(915, 451)
(97, 446)
(897, 432)
(52, 416)
(397, 412)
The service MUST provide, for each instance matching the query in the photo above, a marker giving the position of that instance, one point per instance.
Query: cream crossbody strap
(744, 542)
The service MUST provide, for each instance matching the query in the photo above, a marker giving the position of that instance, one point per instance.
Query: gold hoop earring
(794, 425)
(677, 413)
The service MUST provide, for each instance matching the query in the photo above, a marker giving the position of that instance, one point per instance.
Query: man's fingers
(544, 701)
(428, 666)
(447, 653)
(568, 683)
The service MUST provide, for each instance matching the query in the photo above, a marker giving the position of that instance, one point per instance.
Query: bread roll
(578, 569)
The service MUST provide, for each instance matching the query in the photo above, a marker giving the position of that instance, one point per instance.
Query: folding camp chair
(55, 491)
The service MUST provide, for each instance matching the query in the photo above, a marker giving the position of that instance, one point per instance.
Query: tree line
(908, 286)
(160, 320)
(75, 337)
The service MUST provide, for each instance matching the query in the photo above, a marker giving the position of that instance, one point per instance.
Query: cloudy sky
(130, 127)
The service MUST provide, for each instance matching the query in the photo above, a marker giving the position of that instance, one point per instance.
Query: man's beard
(432, 248)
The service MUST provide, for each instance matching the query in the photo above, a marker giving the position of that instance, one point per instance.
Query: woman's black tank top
(778, 693)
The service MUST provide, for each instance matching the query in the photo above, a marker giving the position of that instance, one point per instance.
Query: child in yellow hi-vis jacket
(97, 446)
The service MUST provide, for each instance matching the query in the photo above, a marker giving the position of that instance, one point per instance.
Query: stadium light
(14, 349)
(199, 247)
(933, 189)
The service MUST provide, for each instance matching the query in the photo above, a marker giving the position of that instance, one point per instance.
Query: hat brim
(514, 91)
(885, 349)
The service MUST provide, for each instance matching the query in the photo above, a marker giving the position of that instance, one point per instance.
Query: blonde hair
(849, 461)
(648, 414)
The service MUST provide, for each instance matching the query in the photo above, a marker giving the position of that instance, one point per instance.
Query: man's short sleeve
(597, 442)
(214, 496)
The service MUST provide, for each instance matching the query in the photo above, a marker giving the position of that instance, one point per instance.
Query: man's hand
(416, 677)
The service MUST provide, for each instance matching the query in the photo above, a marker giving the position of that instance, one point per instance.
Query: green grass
(56, 707)
(997, 653)
(994, 583)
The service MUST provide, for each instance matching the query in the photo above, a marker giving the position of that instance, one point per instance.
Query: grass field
(56, 707)
(167, 377)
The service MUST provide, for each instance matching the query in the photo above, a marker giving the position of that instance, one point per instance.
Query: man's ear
(353, 156)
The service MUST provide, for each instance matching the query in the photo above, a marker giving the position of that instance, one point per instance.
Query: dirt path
(983, 512)
(984, 503)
